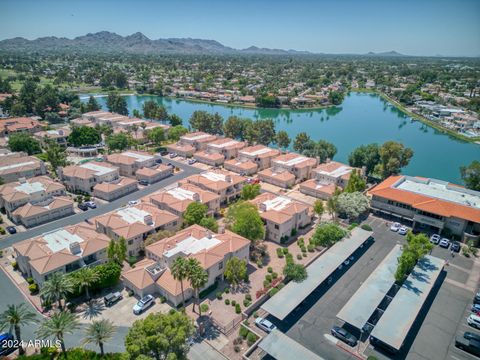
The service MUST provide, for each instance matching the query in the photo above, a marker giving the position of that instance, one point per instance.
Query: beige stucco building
(115, 189)
(14, 166)
(84, 177)
(128, 162)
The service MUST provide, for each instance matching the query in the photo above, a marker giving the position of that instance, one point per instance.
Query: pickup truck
(471, 346)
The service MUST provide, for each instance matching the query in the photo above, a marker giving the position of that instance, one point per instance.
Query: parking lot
(433, 333)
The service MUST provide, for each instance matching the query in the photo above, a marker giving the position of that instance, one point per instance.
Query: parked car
(143, 182)
(344, 335)
(455, 246)
(11, 229)
(444, 243)
(471, 336)
(133, 202)
(476, 299)
(91, 204)
(475, 308)
(163, 153)
(264, 324)
(170, 164)
(172, 155)
(112, 298)
(143, 304)
(158, 161)
(468, 345)
(395, 227)
(192, 161)
(474, 321)
(403, 230)
(6, 342)
(82, 206)
(435, 239)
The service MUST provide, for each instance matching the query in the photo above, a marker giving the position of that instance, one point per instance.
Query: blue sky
(421, 27)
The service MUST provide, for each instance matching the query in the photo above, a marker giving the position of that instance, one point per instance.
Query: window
(277, 227)
(130, 242)
(220, 265)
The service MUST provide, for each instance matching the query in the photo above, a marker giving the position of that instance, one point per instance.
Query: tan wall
(46, 217)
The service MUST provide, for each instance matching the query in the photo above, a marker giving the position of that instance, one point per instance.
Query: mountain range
(138, 43)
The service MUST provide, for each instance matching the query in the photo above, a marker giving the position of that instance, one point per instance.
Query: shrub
(243, 332)
(238, 309)
(227, 302)
(204, 308)
(238, 340)
(366, 227)
(1, 253)
(236, 348)
(301, 240)
(274, 275)
(233, 302)
(33, 288)
(132, 260)
(15, 265)
(255, 315)
(30, 280)
(280, 253)
(285, 251)
(227, 290)
(273, 291)
(299, 257)
(352, 226)
(219, 295)
(208, 290)
(266, 283)
(303, 248)
(465, 251)
(259, 263)
(268, 277)
(2, 231)
(304, 254)
(293, 232)
(246, 303)
(280, 286)
(310, 248)
(251, 338)
(163, 299)
(248, 297)
(269, 269)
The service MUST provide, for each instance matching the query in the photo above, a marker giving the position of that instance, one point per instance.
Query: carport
(362, 305)
(287, 299)
(398, 318)
(281, 347)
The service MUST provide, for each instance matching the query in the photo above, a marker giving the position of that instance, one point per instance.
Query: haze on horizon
(423, 27)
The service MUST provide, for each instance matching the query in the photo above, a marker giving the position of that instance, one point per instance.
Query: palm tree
(85, 278)
(60, 324)
(98, 332)
(198, 277)
(179, 271)
(14, 317)
(56, 288)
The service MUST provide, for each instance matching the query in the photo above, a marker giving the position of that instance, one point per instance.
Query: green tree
(57, 287)
(210, 223)
(46, 100)
(194, 213)
(323, 150)
(235, 271)
(179, 271)
(197, 277)
(250, 191)
(355, 182)
(393, 157)
(84, 135)
(266, 131)
(233, 127)
(326, 234)
(99, 332)
(175, 120)
(117, 250)
(416, 248)
(92, 104)
(153, 110)
(282, 139)
(156, 135)
(318, 207)
(301, 141)
(85, 278)
(24, 142)
(243, 219)
(209, 123)
(365, 155)
(117, 141)
(335, 97)
(332, 206)
(295, 272)
(267, 101)
(117, 104)
(57, 326)
(471, 175)
(175, 132)
(55, 155)
(14, 317)
(160, 336)
(28, 96)
(352, 205)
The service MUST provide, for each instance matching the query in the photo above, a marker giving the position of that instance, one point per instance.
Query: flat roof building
(198, 140)
(299, 165)
(430, 203)
(259, 154)
(223, 183)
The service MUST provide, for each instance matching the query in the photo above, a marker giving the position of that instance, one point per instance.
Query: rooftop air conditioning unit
(75, 248)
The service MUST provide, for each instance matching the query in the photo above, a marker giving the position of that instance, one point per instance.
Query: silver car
(264, 324)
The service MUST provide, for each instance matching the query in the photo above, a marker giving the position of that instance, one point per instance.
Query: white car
(264, 324)
(143, 304)
(395, 227)
(445, 243)
(133, 202)
(435, 239)
(474, 321)
(403, 230)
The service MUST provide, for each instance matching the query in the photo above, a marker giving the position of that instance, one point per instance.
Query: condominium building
(58, 136)
(299, 165)
(153, 275)
(326, 178)
(154, 174)
(41, 212)
(112, 190)
(177, 199)
(241, 166)
(198, 140)
(229, 148)
(278, 177)
(14, 166)
(62, 250)
(84, 177)
(430, 205)
(282, 216)
(128, 162)
(225, 184)
(19, 124)
(259, 154)
(135, 223)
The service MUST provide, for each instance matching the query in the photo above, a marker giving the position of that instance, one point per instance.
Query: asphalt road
(101, 209)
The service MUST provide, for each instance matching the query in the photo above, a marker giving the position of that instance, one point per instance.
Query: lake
(363, 118)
